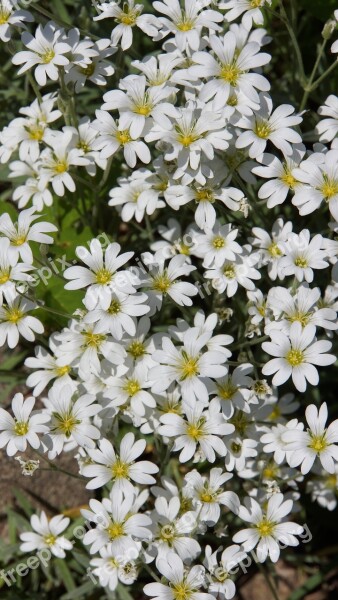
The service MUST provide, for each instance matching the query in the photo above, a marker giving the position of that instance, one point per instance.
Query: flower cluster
(168, 379)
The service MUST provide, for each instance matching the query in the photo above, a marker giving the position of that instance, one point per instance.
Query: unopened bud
(328, 29)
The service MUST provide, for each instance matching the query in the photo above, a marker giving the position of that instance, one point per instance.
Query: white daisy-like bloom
(328, 128)
(319, 173)
(15, 320)
(21, 233)
(11, 271)
(48, 367)
(11, 18)
(231, 274)
(266, 527)
(296, 354)
(270, 247)
(186, 23)
(239, 450)
(45, 50)
(159, 69)
(251, 9)
(173, 529)
(233, 390)
(96, 71)
(111, 568)
(58, 159)
(182, 583)
(268, 125)
(114, 136)
(281, 176)
(324, 488)
(46, 534)
(208, 495)
(217, 245)
(304, 306)
(83, 139)
(189, 365)
(22, 429)
(130, 390)
(302, 255)
(119, 526)
(205, 197)
(274, 440)
(102, 274)
(119, 468)
(127, 17)
(229, 70)
(120, 315)
(35, 188)
(200, 428)
(135, 196)
(219, 577)
(164, 280)
(193, 133)
(317, 442)
(69, 419)
(138, 104)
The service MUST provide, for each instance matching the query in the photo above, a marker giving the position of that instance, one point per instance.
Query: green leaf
(307, 587)
(64, 574)
(79, 592)
(23, 502)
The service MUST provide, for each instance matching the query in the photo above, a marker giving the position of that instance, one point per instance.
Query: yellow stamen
(21, 428)
(295, 357)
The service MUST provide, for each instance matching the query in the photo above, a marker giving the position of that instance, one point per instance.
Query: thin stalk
(308, 86)
(268, 581)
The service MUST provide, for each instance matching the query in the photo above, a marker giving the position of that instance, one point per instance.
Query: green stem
(266, 576)
(254, 342)
(54, 467)
(152, 573)
(324, 75)
(294, 42)
(47, 308)
(308, 87)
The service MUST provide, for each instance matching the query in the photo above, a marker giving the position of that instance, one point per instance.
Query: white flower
(302, 256)
(46, 534)
(328, 128)
(112, 568)
(266, 530)
(45, 50)
(100, 275)
(22, 429)
(188, 365)
(233, 390)
(136, 196)
(207, 494)
(96, 70)
(320, 174)
(116, 135)
(200, 428)
(266, 125)
(271, 247)
(220, 582)
(318, 441)
(281, 175)
(296, 354)
(251, 9)
(182, 584)
(14, 320)
(118, 317)
(118, 523)
(11, 271)
(48, 368)
(186, 23)
(127, 17)
(217, 245)
(10, 18)
(28, 467)
(120, 468)
(230, 274)
(22, 232)
(162, 281)
(229, 70)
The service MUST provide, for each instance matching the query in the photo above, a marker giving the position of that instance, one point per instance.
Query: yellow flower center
(47, 56)
(50, 539)
(60, 371)
(66, 423)
(204, 195)
(240, 422)
(162, 283)
(196, 430)
(303, 318)
(5, 13)
(270, 472)
(274, 250)
(61, 167)
(275, 413)
(132, 387)
(236, 448)
(301, 262)
(120, 470)
(229, 271)
(93, 340)
(295, 357)
(103, 276)
(186, 139)
(14, 315)
(262, 129)
(114, 308)
(329, 188)
(144, 108)
(207, 495)
(230, 73)
(265, 528)
(189, 366)
(115, 530)
(226, 390)
(88, 70)
(21, 428)
(288, 178)
(255, 3)
(128, 17)
(36, 132)
(167, 533)
(218, 242)
(4, 276)
(123, 137)
(232, 100)
(82, 145)
(318, 443)
(136, 349)
(18, 240)
(182, 591)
